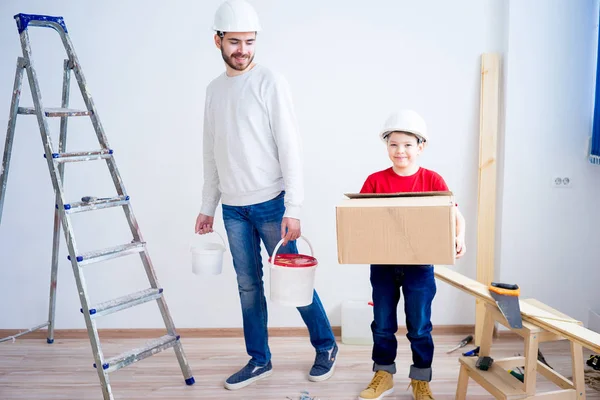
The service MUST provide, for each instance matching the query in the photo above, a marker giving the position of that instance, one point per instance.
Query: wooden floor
(33, 370)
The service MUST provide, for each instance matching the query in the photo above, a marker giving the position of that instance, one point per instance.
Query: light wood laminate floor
(33, 370)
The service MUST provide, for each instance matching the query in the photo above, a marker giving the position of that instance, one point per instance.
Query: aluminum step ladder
(56, 159)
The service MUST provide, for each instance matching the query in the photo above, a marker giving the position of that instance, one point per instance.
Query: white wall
(550, 244)
(348, 68)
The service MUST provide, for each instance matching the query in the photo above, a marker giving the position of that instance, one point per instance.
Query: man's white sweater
(252, 147)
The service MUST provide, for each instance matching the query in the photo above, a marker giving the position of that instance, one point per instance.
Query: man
(252, 164)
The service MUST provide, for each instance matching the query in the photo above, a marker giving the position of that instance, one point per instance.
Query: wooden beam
(495, 380)
(554, 376)
(530, 312)
(486, 199)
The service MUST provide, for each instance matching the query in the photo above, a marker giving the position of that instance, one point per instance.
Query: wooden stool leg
(578, 375)
(463, 382)
(531, 360)
(487, 333)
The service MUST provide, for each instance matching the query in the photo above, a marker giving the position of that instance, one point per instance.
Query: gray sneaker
(247, 375)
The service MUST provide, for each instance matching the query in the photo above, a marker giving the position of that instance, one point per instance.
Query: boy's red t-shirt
(387, 181)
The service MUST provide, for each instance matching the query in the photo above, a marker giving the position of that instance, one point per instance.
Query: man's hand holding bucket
(290, 229)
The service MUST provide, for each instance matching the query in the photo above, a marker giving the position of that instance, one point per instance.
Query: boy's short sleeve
(368, 186)
(439, 185)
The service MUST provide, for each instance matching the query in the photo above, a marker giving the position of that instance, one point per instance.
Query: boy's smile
(403, 150)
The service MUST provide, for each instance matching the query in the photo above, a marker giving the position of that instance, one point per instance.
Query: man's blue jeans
(419, 288)
(246, 226)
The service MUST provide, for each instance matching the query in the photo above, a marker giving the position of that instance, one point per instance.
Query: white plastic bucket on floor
(293, 277)
(357, 317)
(207, 257)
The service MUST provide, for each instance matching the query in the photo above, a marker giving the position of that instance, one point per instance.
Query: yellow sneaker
(421, 390)
(381, 385)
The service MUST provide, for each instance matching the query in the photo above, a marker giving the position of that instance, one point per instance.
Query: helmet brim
(384, 135)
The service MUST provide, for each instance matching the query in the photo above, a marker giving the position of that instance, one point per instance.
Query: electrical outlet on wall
(561, 181)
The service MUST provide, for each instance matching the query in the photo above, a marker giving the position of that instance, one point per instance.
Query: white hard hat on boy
(236, 16)
(408, 121)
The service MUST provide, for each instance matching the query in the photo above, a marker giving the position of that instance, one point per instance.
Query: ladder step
(96, 204)
(81, 156)
(109, 253)
(151, 348)
(55, 112)
(124, 302)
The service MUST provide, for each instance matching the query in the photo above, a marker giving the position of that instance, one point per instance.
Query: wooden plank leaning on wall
(486, 199)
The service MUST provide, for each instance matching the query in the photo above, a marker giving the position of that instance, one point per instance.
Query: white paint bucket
(207, 257)
(293, 277)
(357, 317)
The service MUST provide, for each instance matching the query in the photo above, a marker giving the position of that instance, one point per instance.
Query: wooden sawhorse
(501, 384)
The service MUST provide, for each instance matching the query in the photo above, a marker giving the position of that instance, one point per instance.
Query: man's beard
(238, 67)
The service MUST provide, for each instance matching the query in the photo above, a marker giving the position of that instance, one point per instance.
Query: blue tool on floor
(472, 353)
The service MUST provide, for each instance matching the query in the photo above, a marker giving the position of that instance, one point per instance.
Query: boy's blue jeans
(418, 287)
(246, 226)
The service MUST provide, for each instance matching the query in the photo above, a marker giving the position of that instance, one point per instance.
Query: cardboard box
(398, 228)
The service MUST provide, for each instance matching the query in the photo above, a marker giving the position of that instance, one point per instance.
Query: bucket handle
(223, 240)
(272, 258)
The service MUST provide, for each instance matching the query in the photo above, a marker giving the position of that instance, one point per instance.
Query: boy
(405, 134)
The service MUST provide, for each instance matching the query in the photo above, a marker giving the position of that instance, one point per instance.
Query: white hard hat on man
(407, 121)
(236, 16)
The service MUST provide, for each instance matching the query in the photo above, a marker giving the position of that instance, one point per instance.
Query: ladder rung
(81, 156)
(152, 347)
(98, 204)
(55, 112)
(122, 303)
(110, 252)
